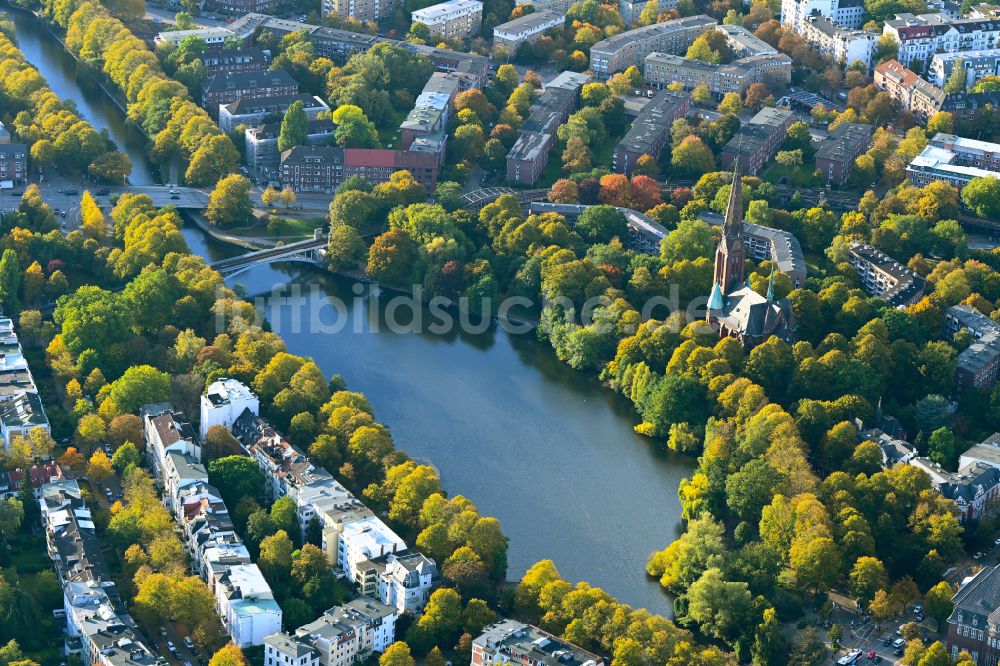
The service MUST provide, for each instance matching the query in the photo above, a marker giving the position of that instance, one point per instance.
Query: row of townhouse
(243, 599)
(21, 409)
(98, 628)
(359, 545)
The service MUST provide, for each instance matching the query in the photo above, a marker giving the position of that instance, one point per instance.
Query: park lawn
(797, 176)
(294, 229)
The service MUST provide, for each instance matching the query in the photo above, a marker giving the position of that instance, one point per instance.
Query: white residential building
(21, 409)
(845, 13)
(364, 540)
(223, 402)
(212, 36)
(246, 605)
(403, 580)
(976, 64)
(842, 45)
(166, 431)
(97, 632)
(455, 19)
(920, 37)
(342, 636)
(527, 28)
(181, 471)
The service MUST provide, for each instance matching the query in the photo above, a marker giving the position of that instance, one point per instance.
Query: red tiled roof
(369, 157)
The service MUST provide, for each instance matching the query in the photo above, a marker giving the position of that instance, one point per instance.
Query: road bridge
(309, 251)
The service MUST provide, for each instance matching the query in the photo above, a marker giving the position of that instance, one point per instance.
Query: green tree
(692, 158)
(284, 513)
(236, 477)
(10, 282)
(397, 654)
(275, 558)
(139, 385)
(345, 250)
(229, 204)
(937, 602)
(982, 195)
(127, 455)
(294, 127)
(721, 608)
(868, 577)
(956, 80)
(599, 224)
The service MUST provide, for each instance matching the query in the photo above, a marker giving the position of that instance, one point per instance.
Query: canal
(540, 446)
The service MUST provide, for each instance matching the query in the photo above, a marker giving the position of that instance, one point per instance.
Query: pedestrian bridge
(309, 251)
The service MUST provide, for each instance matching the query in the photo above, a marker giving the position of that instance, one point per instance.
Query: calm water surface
(530, 441)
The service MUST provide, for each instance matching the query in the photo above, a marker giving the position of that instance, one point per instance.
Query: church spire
(729, 256)
(770, 287)
(733, 225)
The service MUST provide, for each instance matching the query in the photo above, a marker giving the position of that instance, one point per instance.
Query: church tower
(729, 256)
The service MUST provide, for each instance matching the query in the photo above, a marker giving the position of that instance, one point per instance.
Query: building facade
(974, 623)
(13, 163)
(251, 111)
(921, 37)
(527, 28)
(455, 19)
(513, 642)
(955, 160)
(323, 168)
(914, 94)
(883, 276)
(223, 402)
(663, 69)
(979, 363)
(846, 13)
(245, 59)
(976, 65)
(260, 144)
(228, 87)
(342, 636)
(842, 45)
(621, 51)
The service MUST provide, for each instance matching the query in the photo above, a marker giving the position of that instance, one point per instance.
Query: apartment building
(779, 247)
(37, 475)
(914, 94)
(842, 45)
(246, 605)
(662, 69)
(885, 277)
(973, 489)
(363, 540)
(251, 111)
(920, 37)
(976, 64)
(527, 28)
(260, 144)
(338, 45)
(224, 401)
(244, 59)
(972, 625)
(342, 636)
(955, 160)
(213, 37)
(4, 135)
(455, 19)
(619, 52)
(758, 140)
(181, 471)
(403, 580)
(167, 431)
(430, 113)
(228, 87)
(650, 130)
(537, 134)
(98, 629)
(13, 163)
(323, 168)
(21, 409)
(366, 11)
(837, 152)
(242, 6)
(848, 14)
(744, 43)
(979, 363)
(510, 641)
(557, 6)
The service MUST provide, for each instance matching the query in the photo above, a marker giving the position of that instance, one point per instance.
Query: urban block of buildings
(358, 544)
(955, 160)
(21, 409)
(922, 36)
(243, 59)
(243, 599)
(975, 487)
(260, 144)
(339, 45)
(537, 134)
(662, 69)
(837, 153)
(527, 28)
(644, 233)
(342, 636)
(744, 43)
(513, 642)
(979, 363)
(252, 111)
(758, 140)
(842, 45)
(650, 130)
(734, 308)
(98, 628)
(619, 52)
(883, 276)
(227, 87)
(455, 19)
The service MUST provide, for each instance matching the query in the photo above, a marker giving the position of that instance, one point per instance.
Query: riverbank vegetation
(181, 133)
(56, 136)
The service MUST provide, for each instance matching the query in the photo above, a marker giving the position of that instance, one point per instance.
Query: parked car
(175, 196)
(170, 646)
(188, 642)
(849, 658)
